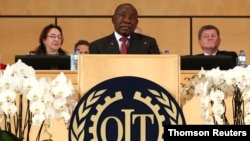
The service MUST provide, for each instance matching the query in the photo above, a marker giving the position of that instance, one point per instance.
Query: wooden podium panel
(161, 69)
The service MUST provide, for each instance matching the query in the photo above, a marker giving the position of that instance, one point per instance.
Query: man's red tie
(124, 45)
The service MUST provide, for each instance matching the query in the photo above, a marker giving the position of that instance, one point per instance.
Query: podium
(134, 95)
(161, 69)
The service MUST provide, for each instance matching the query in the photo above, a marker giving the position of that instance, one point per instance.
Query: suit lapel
(133, 43)
(113, 44)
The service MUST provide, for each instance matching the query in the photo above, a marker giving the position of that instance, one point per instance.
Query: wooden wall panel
(83, 28)
(234, 33)
(19, 36)
(171, 33)
(149, 7)
(167, 31)
(20, 33)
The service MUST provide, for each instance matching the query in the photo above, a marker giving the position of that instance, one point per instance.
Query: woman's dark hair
(41, 50)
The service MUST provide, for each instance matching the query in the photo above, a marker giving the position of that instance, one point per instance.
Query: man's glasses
(54, 37)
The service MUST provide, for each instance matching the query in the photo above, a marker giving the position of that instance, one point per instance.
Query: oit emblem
(124, 109)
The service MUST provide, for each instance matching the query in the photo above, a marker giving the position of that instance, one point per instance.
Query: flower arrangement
(214, 86)
(46, 98)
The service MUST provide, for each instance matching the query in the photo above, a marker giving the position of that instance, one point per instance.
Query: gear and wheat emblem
(124, 109)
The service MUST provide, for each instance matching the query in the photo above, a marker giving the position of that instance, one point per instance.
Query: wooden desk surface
(72, 75)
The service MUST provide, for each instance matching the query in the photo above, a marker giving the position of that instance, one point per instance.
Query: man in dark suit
(209, 41)
(125, 20)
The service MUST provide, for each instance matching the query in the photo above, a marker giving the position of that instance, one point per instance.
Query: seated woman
(51, 39)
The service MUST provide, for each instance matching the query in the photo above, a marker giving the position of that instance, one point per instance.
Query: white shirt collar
(208, 54)
(118, 36)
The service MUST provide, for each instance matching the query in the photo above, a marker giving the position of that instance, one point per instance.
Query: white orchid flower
(37, 107)
(49, 113)
(47, 98)
(9, 108)
(38, 119)
(60, 103)
(204, 102)
(35, 93)
(217, 95)
(218, 108)
(247, 107)
(247, 119)
(219, 119)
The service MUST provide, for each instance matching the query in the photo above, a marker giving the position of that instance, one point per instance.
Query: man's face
(84, 49)
(209, 41)
(125, 20)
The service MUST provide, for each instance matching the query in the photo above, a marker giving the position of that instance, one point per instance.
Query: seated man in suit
(125, 20)
(209, 41)
(82, 46)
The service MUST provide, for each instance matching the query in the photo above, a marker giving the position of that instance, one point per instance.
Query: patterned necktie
(124, 45)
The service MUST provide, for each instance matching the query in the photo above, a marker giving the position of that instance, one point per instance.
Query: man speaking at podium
(123, 40)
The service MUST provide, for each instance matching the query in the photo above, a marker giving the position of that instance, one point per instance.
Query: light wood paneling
(19, 36)
(149, 7)
(168, 33)
(94, 69)
(84, 28)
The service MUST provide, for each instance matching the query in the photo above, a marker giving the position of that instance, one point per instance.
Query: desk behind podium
(194, 62)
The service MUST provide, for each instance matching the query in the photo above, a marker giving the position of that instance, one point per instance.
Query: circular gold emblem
(124, 109)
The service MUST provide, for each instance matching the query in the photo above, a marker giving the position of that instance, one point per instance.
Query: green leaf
(7, 136)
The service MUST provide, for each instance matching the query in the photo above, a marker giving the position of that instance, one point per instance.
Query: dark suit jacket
(138, 44)
(225, 53)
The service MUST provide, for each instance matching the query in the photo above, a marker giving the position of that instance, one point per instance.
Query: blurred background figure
(51, 40)
(82, 46)
(138, 30)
